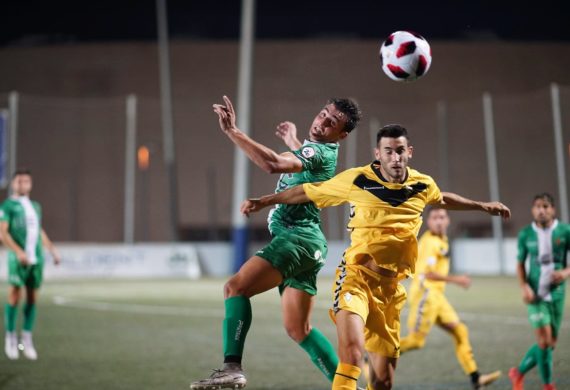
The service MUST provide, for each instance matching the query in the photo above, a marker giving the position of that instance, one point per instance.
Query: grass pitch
(162, 334)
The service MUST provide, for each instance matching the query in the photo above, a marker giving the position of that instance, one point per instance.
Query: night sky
(28, 23)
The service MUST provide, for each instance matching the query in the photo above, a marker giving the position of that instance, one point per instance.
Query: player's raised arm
(287, 132)
(453, 201)
(295, 195)
(261, 155)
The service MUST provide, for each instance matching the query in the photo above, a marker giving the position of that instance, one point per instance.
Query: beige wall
(72, 122)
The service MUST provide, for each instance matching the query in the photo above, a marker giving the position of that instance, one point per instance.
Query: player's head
(393, 150)
(22, 182)
(543, 210)
(337, 118)
(437, 220)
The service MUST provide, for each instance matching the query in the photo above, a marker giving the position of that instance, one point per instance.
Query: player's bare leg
(350, 332)
(11, 338)
(27, 344)
(382, 371)
(296, 307)
(256, 276)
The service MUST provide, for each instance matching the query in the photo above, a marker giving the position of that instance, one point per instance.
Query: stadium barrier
(215, 259)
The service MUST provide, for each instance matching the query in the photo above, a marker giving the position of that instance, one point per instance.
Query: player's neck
(545, 225)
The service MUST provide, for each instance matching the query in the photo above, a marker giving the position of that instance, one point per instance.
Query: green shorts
(541, 314)
(24, 275)
(299, 254)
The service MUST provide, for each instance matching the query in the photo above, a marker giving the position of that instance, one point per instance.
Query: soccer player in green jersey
(21, 232)
(298, 248)
(545, 244)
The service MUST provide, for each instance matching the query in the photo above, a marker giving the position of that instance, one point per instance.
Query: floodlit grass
(161, 334)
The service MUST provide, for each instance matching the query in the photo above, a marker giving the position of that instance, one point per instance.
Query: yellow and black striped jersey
(385, 217)
(433, 256)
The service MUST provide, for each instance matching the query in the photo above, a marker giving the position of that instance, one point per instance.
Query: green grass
(161, 334)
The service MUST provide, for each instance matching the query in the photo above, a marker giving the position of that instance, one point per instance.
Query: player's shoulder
(525, 231)
(9, 202)
(310, 148)
(416, 175)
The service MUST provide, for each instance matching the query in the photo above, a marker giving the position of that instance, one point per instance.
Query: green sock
(10, 313)
(29, 317)
(236, 325)
(529, 360)
(321, 351)
(544, 360)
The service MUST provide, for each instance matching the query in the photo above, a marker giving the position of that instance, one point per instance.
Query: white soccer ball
(405, 56)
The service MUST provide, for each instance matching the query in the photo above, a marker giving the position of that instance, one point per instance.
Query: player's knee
(384, 383)
(234, 288)
(297, 331)
(351, 352)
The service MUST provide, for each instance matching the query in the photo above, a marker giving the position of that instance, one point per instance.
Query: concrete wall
(72, 123)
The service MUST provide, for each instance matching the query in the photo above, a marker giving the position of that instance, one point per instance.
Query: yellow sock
(463, 349)
(346, 377)
(412, 341)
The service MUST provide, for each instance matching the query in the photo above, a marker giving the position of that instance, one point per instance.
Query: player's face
(543, 212)
(393, 154)
(328, 125)
(22, 185)
(438, 222)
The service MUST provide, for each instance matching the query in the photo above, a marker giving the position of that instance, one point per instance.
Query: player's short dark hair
(349, 108)
(392, 131)
(544, 196)
(22, 171)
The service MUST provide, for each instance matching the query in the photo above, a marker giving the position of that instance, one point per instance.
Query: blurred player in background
(387, 199)
(298, 248)
(21, 232)
(428, 304)
(545, 244)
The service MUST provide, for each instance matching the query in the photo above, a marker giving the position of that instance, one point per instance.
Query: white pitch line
(219, 313)
(135, 308)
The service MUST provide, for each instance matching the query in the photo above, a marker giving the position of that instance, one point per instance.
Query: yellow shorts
(375, 298)
(429, 307)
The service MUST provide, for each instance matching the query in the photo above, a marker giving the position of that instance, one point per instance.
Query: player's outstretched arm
(261, 155)
(295, 195)
(453, 201)
(287, 132)
(460, 280)
(48, 244)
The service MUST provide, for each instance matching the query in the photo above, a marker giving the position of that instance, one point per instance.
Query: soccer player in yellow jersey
(428, 304)
(387, 199)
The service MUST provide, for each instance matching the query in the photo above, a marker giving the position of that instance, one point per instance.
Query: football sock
(29, 316)
(235, 327)
(544, 361)
(475, 377)
(463, 349)
(412, 341)
(529, 360)
(321, 352)
(346, 377)
(10, 317)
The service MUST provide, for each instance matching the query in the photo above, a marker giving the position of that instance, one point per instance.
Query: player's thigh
(350, 333)
(257, 275)
(539, 316)
(423, 312)
(446, 315)
(382, 370)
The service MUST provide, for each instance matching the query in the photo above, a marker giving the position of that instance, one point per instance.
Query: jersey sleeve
(433, 193)
(332, 192)
(522, 251)
(311, 156)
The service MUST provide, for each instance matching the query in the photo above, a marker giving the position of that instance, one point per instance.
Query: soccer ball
(405, 56)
